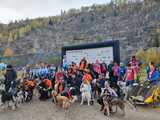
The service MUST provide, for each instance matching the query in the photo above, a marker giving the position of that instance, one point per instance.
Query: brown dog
(63, 101)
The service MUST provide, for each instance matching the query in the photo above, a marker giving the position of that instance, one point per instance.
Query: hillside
(135, 24)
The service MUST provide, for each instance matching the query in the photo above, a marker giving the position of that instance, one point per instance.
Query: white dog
(20, 97)
(86, 93)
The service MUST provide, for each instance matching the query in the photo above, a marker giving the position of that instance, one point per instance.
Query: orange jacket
(82, 64)
(29, 84)
(48, 83)
(87, 77)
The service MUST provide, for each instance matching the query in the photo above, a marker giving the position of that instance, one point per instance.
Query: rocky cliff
(135, 25)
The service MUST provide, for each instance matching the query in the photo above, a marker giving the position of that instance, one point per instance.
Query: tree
(8, 52)
(11, 37)
(84, 9)
(72, 12)
(50, 22)
(151, 54)
(120, 2)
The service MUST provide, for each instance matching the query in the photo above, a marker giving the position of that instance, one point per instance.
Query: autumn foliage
(152, 54)
(8, 52)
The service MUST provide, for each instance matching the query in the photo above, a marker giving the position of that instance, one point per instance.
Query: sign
(104, 54)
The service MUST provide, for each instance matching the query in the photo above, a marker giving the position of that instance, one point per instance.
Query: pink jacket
(97, 68)
(115, 70)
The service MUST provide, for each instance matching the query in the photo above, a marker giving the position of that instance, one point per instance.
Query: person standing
(97, 68)
(110, 70)
(152, 74)
(10, 80)
(121, 72)
(129, 75)
(83, 64)
(115, 74)
(135, 67)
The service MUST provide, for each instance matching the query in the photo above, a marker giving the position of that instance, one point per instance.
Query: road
(40, 110)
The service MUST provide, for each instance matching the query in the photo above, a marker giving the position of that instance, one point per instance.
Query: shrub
(8, 52)
(151, 54)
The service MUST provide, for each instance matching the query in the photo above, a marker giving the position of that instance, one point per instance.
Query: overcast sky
(21, 9)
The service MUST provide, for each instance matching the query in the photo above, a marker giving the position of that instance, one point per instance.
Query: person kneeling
(45, 88)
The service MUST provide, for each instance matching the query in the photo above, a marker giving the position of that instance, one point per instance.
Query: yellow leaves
(8, 52)
(12, 33)
(151, 54)
(33, 50)
(23, 30)
(36, 23)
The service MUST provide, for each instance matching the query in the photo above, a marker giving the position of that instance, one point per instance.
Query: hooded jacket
(10, 79)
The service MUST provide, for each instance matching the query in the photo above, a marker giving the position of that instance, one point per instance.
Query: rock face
(132, 25)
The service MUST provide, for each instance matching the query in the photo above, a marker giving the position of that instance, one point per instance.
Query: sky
(11, 10)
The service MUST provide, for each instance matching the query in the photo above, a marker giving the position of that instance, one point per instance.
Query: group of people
(71, 78)
(42, 70)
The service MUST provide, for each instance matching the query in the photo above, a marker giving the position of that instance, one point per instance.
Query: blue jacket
(121, 71)
(154, 77)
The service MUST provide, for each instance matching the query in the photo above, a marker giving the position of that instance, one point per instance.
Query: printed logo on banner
(104, 54)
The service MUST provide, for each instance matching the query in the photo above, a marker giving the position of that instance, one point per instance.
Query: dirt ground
(46, 110)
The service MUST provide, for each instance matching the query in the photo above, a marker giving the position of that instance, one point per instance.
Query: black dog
(28, 95)
(7, 97)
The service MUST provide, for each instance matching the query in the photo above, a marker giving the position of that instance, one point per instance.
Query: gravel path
(38, 110)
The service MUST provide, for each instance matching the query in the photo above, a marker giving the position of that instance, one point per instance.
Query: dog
(20, 97)
(107, 102)
(28, 87)
(86, 94)
(8, 100)
(104, 102)
(63, 101)
(119, 104)
(110, 102)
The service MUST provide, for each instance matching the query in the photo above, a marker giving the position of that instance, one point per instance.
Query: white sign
(104, 54)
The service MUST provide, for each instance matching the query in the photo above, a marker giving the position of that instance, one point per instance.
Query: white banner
(104, 54)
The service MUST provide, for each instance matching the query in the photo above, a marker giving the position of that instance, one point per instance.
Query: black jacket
(10, 79)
